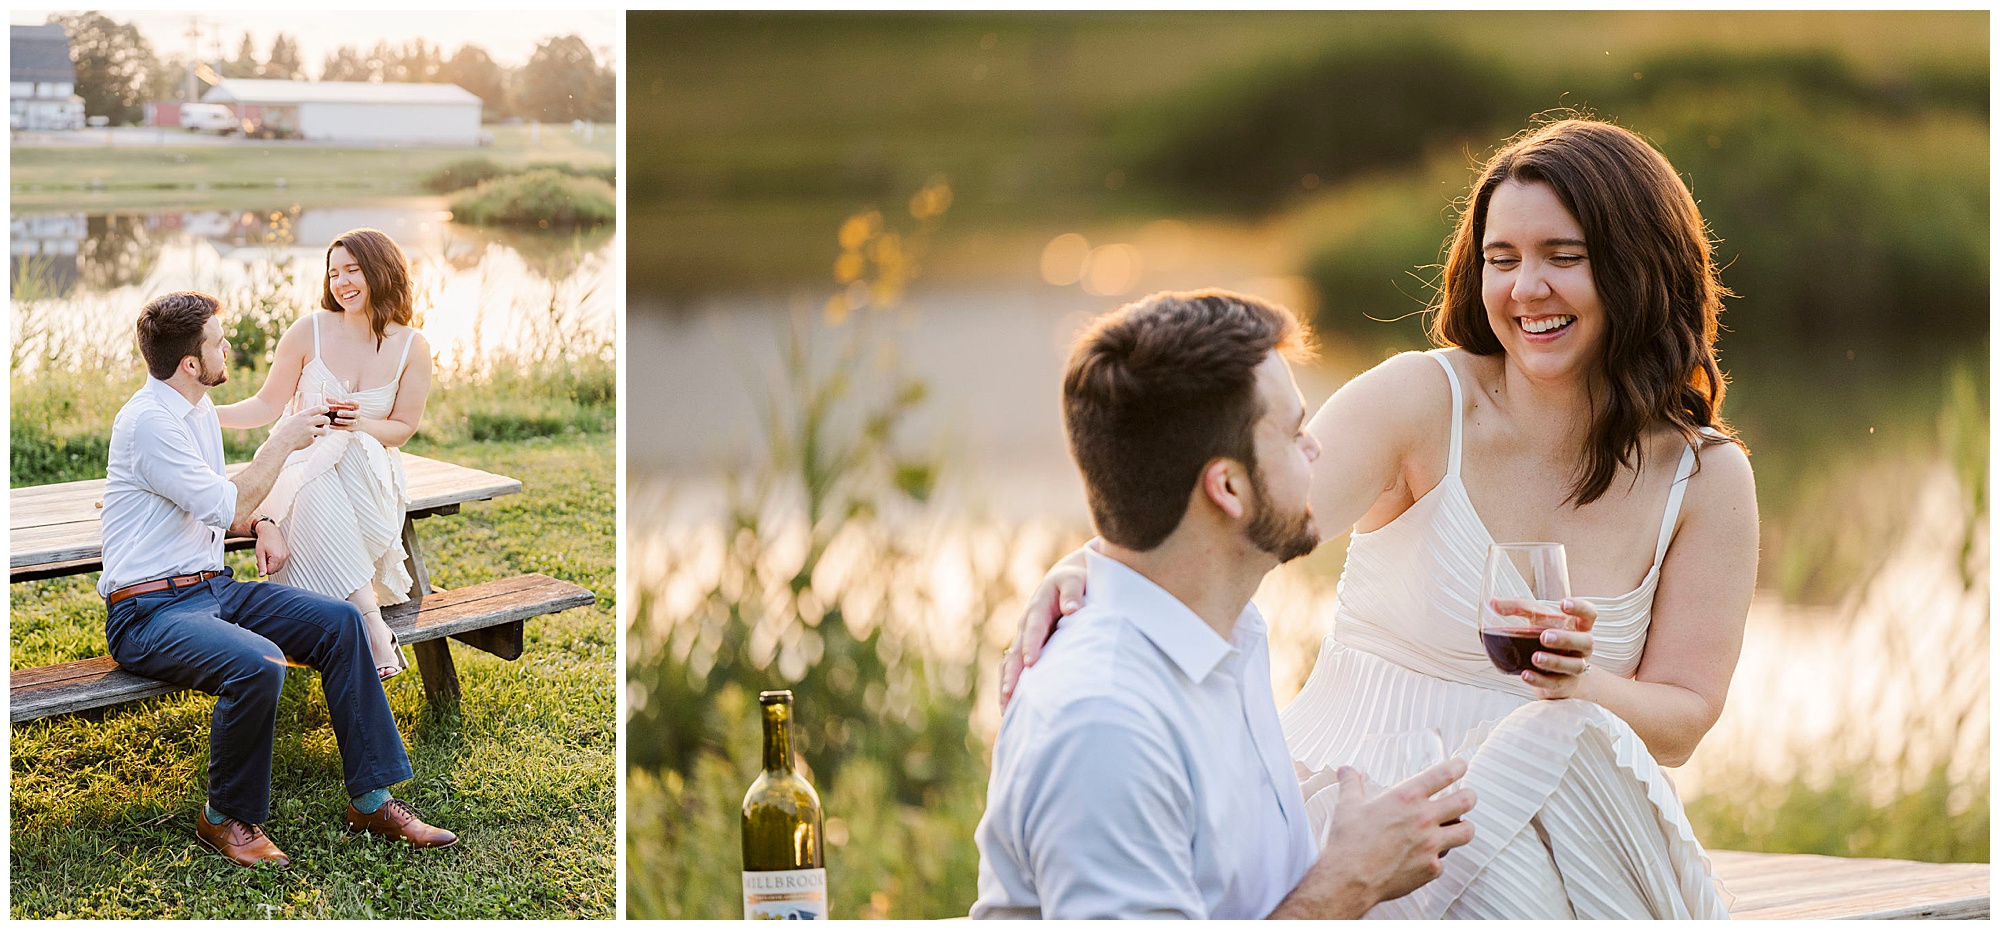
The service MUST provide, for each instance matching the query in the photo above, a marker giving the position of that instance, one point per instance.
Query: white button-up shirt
(167, 503)
(1140, 770)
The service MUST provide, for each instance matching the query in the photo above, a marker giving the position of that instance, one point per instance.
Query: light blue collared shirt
(1141, 771)
(167, 502)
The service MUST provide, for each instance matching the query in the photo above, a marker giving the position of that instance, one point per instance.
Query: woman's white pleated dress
(1574, 817)
(340, 501)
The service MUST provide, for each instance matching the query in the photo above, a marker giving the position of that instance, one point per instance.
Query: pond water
(1867, 643)
(79, 279)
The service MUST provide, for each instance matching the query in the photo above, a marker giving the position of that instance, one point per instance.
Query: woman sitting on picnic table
(340, 501)
(1574, 397)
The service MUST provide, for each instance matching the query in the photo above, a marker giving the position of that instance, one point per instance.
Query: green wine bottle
(784, 863)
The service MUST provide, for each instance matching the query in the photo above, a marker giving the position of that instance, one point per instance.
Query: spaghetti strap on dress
(341, 500)
(1574, 818)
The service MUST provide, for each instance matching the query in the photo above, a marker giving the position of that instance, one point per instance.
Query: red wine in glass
(1521, 595)
(1512, 648)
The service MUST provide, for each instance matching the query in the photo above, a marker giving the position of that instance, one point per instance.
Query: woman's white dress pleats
(1574, 817)
(340, 501)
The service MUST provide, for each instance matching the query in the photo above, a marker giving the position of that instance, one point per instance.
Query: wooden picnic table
(56, 530)
(1773, 886)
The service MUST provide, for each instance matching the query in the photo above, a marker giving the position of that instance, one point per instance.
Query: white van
(209, 117)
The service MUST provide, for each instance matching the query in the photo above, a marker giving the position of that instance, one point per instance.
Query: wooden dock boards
(1770, 886)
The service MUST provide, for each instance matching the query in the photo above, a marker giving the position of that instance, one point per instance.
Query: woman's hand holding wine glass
(1528, 622)
(340, 408)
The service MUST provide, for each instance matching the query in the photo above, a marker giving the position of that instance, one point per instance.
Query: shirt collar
(174, 402)
(1188, 641)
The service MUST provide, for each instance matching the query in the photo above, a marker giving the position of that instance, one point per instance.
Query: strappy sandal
(386, 672)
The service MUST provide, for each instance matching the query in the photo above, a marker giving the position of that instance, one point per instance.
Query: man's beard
(207, 377)
(1283, 539)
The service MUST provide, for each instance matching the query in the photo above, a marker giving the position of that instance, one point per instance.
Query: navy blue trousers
(230, 638)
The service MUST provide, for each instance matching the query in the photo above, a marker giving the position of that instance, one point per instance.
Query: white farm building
(354, 111)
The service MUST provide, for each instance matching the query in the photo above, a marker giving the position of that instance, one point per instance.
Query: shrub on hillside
(462, 174)
(543, 198)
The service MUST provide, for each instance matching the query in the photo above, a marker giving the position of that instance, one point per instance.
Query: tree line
(118, 72)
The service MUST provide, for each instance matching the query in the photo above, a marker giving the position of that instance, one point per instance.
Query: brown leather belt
(157, 584)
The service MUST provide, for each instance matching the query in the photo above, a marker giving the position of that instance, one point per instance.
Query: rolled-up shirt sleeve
(167, 463)
(1109, 834)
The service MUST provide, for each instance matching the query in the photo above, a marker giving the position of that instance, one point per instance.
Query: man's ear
(1224, 483)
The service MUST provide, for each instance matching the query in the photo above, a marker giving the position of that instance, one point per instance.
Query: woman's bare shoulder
(1404, 383)
(304, 324)
(299, 335)
(1722, 483)
(418, 355)
(1403, 397)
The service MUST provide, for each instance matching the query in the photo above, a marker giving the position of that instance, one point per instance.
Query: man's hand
(272, 553)
(1384, 847)
(297, 431)
(1059, 595)
(254, 482)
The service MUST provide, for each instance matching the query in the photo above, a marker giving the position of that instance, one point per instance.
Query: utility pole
(194, 56)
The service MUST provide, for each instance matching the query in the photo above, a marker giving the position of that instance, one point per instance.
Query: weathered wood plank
(439, 673)
(58, 525)
(505, 640)
(431, 481)
(1770, 886)
(73, 686)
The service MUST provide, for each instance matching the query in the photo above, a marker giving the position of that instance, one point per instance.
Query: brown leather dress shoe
(397, 820)
(243, 843)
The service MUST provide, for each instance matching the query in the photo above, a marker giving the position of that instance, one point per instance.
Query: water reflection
(1880, 668)
(80, 278)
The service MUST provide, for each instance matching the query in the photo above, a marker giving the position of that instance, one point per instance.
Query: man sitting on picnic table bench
(176, 613)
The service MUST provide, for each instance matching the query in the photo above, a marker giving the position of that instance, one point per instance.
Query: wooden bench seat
(1770, 886)
(56, 530)
(486, 616)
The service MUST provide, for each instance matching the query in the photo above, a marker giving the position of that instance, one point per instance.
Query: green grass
(61, 426)
(885, 860)
(98, 177)
(1923, 822)
(522, 768)
(777, 125)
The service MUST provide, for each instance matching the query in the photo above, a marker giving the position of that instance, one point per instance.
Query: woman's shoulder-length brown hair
(1653, 265)
(385, 269)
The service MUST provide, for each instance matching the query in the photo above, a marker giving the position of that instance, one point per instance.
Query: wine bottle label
(798, 894)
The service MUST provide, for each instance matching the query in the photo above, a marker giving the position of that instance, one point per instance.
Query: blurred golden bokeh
(1063, 258)
(1113, 270)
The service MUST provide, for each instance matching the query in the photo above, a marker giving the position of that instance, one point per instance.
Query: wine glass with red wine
(338, 392)
(1522, 596)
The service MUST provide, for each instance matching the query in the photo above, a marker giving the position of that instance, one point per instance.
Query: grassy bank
(61, 427)
(522, 769)
(776, 124)
(94, 176)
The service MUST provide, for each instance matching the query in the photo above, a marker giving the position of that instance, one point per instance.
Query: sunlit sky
(510, 37)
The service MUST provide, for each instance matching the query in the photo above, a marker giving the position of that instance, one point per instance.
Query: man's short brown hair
(1156, 390)
(170, 328)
